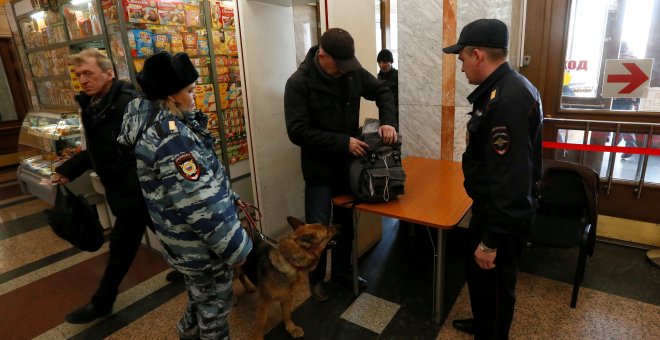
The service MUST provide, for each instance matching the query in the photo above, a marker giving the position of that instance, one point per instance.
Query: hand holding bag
(75, 221)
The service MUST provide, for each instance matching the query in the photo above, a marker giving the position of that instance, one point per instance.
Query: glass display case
(46, 140)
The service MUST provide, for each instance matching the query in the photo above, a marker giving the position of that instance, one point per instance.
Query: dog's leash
(254, 224)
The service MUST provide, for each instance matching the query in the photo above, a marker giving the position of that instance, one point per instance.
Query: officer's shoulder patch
(494, 96)
(187, 166)
(500, 139)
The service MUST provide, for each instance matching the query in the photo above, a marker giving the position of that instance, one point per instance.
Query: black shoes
(465, 325)
(318, 292)
(174, 276)
(87, 314)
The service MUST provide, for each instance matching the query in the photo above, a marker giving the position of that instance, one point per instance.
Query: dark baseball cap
(339, 44)
(482, 32)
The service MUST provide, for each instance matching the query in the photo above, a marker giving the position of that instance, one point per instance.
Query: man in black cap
(322, 109)
(390, 75)
(501, 165)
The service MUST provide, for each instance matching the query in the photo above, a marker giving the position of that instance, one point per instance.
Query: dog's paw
(296, 332)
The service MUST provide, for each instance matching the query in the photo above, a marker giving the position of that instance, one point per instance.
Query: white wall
(269, 55)
(359, 19)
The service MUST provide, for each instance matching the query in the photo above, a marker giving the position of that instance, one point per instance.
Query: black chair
(568, 212)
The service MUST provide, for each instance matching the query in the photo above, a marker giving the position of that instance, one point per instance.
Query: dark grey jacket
(113, 162)
(322, 113)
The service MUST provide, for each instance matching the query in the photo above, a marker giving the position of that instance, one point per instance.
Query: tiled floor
(42, 279)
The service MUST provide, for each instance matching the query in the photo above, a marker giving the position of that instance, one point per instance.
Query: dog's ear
(294, 222)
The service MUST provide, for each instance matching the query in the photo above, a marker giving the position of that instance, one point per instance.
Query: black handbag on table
(75, 221)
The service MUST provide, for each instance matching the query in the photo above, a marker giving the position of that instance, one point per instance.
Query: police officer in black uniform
(501, 165)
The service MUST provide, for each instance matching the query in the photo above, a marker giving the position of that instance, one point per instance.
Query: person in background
(390, 75)
(501, 166)
(102, 103)
(322, 110)
(187, 191)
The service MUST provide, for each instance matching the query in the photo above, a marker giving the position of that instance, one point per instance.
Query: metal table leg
(355, 253)
(439, 277)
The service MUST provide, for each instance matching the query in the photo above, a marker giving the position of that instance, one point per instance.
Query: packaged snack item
(190, 43)
(143, 43)
(205, 98)
(216, 15)
(227, 12)
(131, 43)
(176, 42)
(212, 121)
(161, 42)
(139, 64)
(219, 44)
(171, 13)
(109, 11)
(203, 45)
(232, 48)
(192, 14)
(141, 11)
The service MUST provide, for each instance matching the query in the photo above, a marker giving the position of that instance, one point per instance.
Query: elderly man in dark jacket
(322, 108)
(102, 104)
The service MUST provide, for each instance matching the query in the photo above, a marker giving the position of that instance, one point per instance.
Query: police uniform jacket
(502, 161)
(323, 112)
(113, 162)
(186, 189)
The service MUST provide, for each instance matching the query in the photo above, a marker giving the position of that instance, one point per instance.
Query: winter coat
(186, 189)
(113, 162)
(322, 113)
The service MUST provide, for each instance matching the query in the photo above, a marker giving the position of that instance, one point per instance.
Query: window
(610, 56)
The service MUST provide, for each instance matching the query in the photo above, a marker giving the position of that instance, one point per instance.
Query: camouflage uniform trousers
(209, 303)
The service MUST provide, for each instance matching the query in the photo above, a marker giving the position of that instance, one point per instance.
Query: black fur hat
(164, 74)
(385, 55)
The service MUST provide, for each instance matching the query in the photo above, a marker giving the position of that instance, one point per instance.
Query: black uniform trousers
(125, 239)
(492, 292)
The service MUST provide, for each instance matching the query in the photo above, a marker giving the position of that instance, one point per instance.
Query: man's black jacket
(113, 162)
(323, 112)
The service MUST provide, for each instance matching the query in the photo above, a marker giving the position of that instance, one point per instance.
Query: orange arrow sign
(636, 78)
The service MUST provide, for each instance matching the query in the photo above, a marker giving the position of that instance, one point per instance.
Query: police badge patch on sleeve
(499, 139)
(187, 166)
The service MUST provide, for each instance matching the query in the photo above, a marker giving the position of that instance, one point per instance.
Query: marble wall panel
(420, 52)
(421, 135)
(460, 130)
(468, 11)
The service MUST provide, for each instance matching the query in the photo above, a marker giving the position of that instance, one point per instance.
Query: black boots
(465, 325)
(87, 314)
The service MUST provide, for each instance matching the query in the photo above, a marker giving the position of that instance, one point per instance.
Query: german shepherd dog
(279, 268)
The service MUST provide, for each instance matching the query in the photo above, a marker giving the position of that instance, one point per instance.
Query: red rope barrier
(601, 148)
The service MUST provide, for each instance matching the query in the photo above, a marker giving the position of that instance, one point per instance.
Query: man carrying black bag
(102, 103)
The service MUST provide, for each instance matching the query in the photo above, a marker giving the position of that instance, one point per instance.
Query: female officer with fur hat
(187, 191)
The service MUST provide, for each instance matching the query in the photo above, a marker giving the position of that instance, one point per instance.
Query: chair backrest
(568, 190)
(563, 194)
(575, 186)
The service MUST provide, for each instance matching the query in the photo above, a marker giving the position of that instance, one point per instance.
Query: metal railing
(616, 128)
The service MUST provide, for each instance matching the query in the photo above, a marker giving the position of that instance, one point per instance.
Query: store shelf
(47, 47)
(87, 40)
(60, 77)
(50, 136)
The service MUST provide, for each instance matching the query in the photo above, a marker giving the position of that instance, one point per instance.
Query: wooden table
(435, 198)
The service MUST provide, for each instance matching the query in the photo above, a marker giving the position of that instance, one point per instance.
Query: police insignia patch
(499, 139)
(187, 166)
